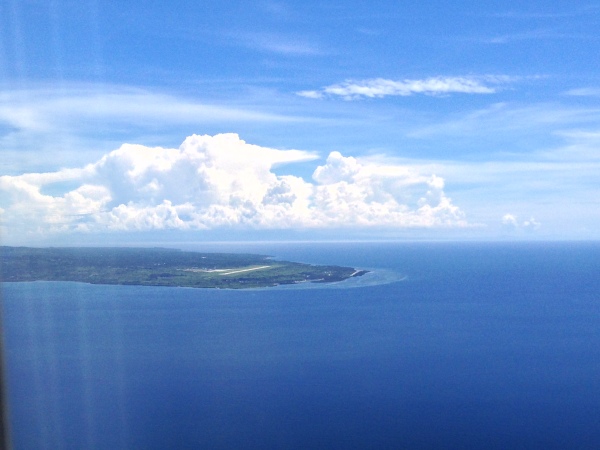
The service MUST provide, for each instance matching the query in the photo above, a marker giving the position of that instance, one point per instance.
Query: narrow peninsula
(160, 267)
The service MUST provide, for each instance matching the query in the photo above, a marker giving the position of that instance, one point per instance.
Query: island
(160, 267)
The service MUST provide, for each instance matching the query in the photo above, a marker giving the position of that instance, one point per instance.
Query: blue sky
(142, 121)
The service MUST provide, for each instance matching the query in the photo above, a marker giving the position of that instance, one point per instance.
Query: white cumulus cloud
(381, 87)
(212, 182)
(510, 221)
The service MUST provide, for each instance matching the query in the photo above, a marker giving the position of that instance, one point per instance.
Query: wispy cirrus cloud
(545, 118)
(281, 44)
(41, 108)
(584, 92)
(538, 34)
(544, 25)
(546, 14)
(382, 87)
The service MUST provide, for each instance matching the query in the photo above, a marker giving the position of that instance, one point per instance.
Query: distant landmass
(160, 267)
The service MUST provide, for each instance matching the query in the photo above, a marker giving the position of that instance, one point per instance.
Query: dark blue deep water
(480, 346)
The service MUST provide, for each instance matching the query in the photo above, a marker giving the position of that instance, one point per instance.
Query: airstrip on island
(160, 267)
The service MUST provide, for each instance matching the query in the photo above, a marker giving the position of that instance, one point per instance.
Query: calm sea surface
(441, 346)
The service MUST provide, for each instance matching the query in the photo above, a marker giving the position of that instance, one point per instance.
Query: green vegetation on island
(160, 267)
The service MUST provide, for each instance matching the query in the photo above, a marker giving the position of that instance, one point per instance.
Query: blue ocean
(440, 345)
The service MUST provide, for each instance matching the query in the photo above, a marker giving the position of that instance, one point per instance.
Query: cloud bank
(381, 87)
(213, 182)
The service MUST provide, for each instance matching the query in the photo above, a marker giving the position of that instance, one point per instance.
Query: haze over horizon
(298, 120)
